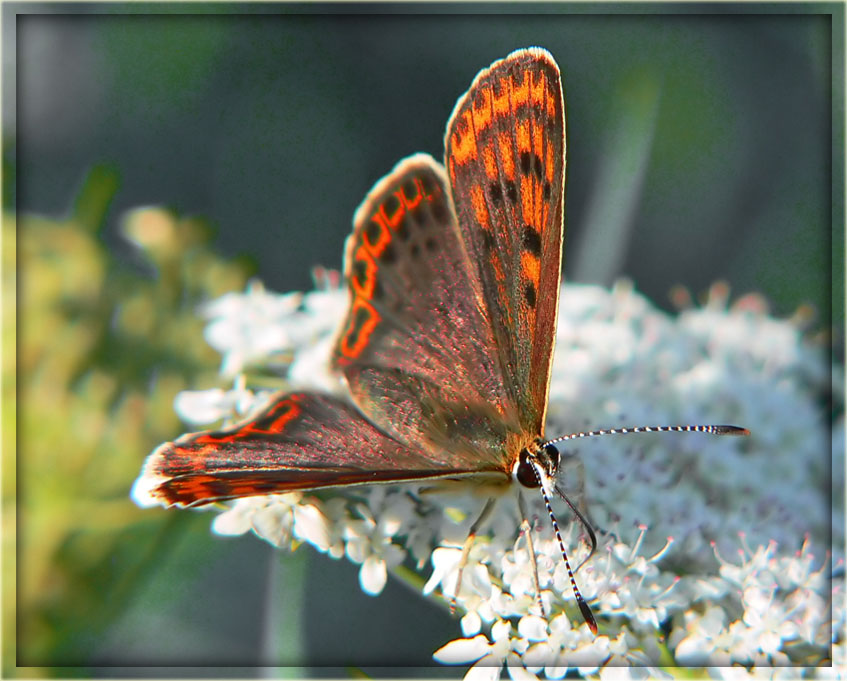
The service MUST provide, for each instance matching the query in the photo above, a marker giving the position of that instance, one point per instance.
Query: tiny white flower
(373, 575)
(488, 654)
(533, 628)
(703, 631)
(310, 524)
(204, 406)
(560, 647)
(275, 523)
(445, 561)
(236, 520)
(270, 517)
(476, 591)
(462, 650)
(471, 623)
(369, 543)
(310, 368)
(248, 327)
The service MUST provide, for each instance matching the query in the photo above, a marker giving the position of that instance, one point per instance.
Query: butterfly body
(453, 275)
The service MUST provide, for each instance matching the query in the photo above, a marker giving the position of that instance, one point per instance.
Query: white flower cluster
(662, 596)
(620, 361)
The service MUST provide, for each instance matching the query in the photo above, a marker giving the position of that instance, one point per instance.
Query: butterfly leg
(466, 549)
(592, 537)
(526, 529)
(576, 469)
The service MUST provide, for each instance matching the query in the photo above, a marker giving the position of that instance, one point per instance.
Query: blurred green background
(700, 147)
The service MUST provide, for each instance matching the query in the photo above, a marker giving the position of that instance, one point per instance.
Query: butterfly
(453, 275)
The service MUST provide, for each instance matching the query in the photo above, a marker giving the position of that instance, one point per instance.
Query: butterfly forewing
(299, 441)
(417, 349)
(505, 157)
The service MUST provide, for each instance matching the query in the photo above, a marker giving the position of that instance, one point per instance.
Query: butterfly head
(539, 459)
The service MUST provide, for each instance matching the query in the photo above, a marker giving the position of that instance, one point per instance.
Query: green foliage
(103, 348)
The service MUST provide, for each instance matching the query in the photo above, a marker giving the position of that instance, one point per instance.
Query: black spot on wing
(531, 240)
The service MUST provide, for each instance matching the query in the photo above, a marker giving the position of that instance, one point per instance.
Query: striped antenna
(712, 430)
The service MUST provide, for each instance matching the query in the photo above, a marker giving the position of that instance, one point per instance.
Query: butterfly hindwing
(505, 157)
(299, 441)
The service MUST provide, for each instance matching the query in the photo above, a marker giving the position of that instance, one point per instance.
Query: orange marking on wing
(528, 200)
(384, 237)
(429, 195)
(489, 160)
(520, 93)
(482, 110)
(538, 140)
(243, 489)
(282, 413)
(392, 220)
(552, 102)
(501, 104)
(412, 203)
(541, 207)
(463, 144)
(504, 303)
(292, 411)
(522, 134)
(198, 487)
(480, 208)
(363, 320)
(550, 161)
(498, 270)
(259, 487)
(363, 289)
(538, 89)
(507, 157)
(531, 267)
(209, 442)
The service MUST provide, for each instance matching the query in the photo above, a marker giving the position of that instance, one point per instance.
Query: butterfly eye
(546, 455)
(524, 472)
(550, 458)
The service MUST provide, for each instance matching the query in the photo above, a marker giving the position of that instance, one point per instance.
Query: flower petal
(311, 525)
(471, 624)
(533, 628)
(462, 650)
(373, 575)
